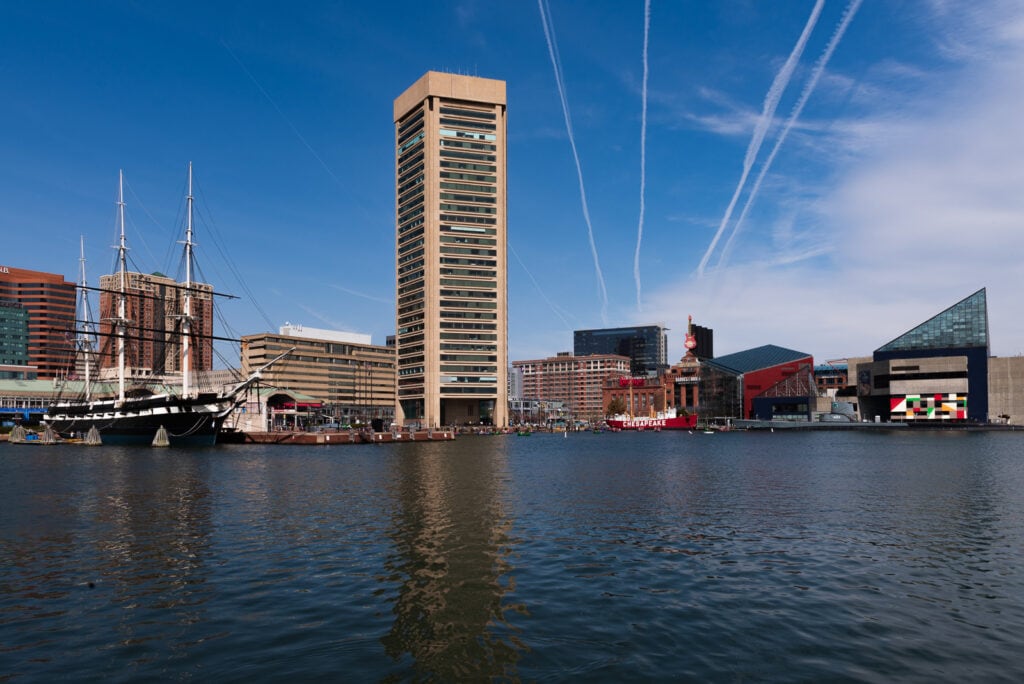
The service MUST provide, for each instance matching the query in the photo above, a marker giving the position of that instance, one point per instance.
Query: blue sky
(893, 130)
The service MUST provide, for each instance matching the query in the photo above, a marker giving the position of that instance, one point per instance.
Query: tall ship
(129, 407)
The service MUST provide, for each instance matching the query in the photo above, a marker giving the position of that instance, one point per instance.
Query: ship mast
(85, 332)
(186, 319)
(122, 298)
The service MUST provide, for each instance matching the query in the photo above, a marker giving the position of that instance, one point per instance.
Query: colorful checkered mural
(929, 407)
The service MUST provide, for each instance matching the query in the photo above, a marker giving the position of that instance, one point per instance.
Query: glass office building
(646, 346)
(13, 336)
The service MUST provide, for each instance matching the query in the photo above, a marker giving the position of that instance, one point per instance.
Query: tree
(616, 406)
(659, 401)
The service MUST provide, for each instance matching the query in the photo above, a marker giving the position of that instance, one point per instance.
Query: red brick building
(50, 301)
(576, 381)
(677, 387)
(154, 306)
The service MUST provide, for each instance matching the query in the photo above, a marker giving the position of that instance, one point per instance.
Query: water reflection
(451, 558)
(134, 533)
(814, 557)
(155, 523)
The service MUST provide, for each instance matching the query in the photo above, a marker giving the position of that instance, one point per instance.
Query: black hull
(187, 422)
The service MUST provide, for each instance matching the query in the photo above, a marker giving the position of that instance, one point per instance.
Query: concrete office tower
(451, 306)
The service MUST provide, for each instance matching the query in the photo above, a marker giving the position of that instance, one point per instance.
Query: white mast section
(85, 332)
(186, 319)
(122, 300)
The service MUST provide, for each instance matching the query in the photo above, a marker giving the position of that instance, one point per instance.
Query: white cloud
(921, 206)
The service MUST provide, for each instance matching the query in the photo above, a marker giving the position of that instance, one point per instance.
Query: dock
(338, 438)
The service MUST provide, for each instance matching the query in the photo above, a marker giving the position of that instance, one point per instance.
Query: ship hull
(677, 423)
(188, 422)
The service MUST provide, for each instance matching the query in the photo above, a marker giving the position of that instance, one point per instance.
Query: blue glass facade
(962, 326)
(646, 346)
(13, 334)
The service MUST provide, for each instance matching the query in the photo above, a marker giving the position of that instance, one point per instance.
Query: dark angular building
(646, 346)
(935, 371)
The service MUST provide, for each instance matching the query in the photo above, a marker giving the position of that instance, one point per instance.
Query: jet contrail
(643, 155)
(295, 130)
(539, 291)
(812, 83)
(557, 66)
(356, 293)
(771, 102)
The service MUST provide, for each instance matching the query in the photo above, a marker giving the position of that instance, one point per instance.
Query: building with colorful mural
(936, 371)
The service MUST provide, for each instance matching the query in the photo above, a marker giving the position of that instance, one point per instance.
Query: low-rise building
(353, 379)
(13, 337)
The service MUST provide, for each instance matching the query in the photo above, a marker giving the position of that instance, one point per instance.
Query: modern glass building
(646, 346)
(935, 371)
(13, 336)
(451, 261)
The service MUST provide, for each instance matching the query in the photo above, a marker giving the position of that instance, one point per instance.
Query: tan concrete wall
(450, 87)
(1006, 388)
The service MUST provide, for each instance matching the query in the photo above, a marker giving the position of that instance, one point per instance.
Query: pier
(337, 438)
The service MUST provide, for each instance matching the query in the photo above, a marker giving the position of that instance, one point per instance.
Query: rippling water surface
(650, 556)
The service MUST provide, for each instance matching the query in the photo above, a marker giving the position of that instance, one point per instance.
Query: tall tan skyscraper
(452, 279)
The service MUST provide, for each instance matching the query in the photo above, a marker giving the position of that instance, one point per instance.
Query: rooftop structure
(327, 335)
(962, 326)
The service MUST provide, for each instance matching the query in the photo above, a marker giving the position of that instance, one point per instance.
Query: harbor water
(818, 556)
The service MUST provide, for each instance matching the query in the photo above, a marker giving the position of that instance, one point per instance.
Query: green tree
(616, 406)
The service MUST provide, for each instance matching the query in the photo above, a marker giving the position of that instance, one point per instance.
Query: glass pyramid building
(962, 326)
(961, 331)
